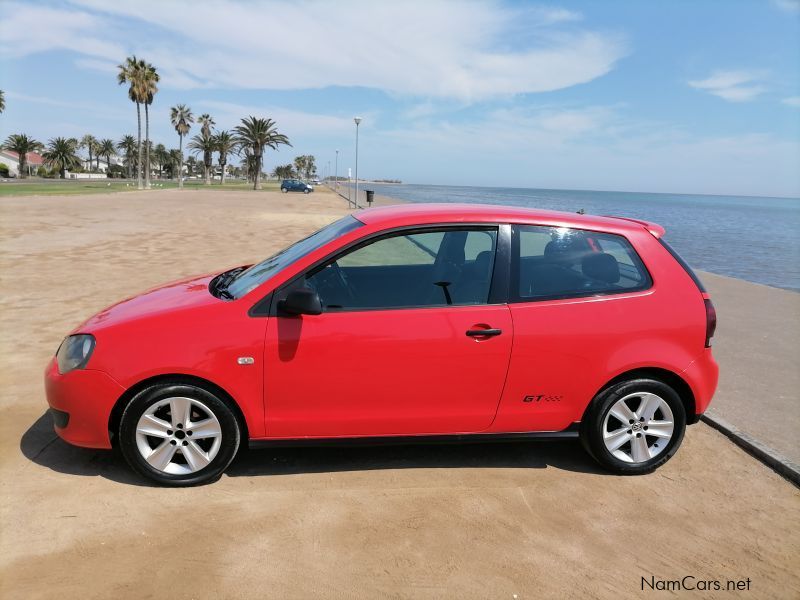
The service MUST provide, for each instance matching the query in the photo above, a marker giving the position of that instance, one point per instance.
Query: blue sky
(684, 96)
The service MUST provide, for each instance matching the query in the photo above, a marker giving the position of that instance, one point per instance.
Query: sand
(468, 521)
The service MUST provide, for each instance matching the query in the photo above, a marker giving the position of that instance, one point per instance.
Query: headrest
(562, 251)
(483, 260)
(601, 267)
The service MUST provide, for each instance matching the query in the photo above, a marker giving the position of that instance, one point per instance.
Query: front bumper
(702, 375)
(87, 398)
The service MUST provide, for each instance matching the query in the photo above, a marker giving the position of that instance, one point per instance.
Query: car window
(559, 262)
(411, 269)
(254, 276)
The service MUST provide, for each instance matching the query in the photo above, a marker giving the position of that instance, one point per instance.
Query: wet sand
(469, 521)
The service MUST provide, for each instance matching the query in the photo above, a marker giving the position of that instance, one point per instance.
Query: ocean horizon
(754, 238)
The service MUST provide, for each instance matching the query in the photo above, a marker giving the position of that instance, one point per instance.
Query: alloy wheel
(178, 435)
(638, 427)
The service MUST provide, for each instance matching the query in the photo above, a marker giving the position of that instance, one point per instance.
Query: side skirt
(570, 433)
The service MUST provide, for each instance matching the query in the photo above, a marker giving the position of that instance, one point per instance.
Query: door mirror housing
(302, 301)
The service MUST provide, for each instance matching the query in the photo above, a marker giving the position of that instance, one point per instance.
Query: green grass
(56, 187)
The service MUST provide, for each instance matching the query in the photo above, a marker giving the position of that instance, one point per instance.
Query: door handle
(483, 332)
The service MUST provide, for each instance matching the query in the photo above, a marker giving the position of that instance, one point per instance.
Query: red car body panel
(433, 378)
(402, 371)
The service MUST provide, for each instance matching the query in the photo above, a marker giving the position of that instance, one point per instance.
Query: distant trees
(181, 118)
(130, 73)
(106, 148)
(142, 79)
(203, 143)
(225, 145)
(161, 158)
(89, 142)
(127, 145)
(61, 154)
(283, 172)
(306, 166)
(22, 144)
(255, 134)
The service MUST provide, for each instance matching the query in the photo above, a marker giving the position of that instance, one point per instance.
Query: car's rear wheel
(178, 435)
(634, 426)
(284, 190)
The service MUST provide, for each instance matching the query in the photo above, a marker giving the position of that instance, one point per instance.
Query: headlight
(74, 352)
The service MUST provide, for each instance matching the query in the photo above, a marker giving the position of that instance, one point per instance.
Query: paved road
(758, 347)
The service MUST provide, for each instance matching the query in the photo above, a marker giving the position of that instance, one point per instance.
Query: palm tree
(131, 72)
(2, 101)
(106, 148)
(150, 78)
(161, 157)
(175, 162)
(255, 134)
(191, 163)
(225, 144)
(204, 143)
(127, 145)
(181, 118)
(206, 123)
(283, 172)
(90, 143)
(22, 144)
(61, 155)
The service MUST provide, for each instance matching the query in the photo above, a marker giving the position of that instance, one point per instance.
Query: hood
(172, 297)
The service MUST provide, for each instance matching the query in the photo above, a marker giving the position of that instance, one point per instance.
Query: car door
(407, 343)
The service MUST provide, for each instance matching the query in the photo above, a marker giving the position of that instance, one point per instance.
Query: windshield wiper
(219, 285)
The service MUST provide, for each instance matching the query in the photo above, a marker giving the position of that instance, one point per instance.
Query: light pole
(336, 176)
(357, 121)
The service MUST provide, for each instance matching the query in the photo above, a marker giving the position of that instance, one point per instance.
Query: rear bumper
(702, 375)
(81, 403)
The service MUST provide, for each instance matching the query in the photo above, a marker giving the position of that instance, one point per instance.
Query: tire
(178, 435)
(306, 191)
(634, 426)
(284, 190)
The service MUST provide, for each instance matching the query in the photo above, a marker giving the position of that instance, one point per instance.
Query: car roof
(398, 215)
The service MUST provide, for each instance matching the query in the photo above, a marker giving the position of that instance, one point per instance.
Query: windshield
(260, 272)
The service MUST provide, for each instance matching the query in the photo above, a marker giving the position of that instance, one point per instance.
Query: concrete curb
(777, 462)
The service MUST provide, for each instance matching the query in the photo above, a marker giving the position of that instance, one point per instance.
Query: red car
(415, 322)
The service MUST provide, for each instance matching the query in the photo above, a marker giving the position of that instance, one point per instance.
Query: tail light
(711, 321)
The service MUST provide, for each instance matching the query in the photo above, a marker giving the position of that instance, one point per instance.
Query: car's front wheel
(634, 426)
(306, 191)
(178, 435)
(284, 190)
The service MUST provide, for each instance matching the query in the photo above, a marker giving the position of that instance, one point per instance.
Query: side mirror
(302, 301)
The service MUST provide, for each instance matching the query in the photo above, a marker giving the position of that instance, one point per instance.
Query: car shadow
(43, 447)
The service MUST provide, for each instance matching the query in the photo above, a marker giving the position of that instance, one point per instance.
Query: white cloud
(600, 147)
(793, 101)
(790, 6)
(467, 51)
(733, 86)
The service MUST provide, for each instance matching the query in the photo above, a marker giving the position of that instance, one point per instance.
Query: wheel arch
(172, 378)
(667, 377)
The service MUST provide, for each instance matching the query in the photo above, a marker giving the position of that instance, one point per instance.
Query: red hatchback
(413, 322)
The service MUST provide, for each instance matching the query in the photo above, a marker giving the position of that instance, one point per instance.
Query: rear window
(559, 262)
(683, 264)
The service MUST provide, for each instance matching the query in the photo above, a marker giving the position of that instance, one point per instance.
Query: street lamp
(336, 177)
(357, 121)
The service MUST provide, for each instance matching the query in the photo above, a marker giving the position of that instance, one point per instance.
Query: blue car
(295, 185)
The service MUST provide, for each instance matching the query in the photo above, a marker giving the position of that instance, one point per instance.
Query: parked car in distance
(295, 185)
(419, 323)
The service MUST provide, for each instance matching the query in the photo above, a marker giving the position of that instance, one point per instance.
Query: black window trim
(498, 288)
(513, 283)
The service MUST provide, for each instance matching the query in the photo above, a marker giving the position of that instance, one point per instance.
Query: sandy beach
(455, 521)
